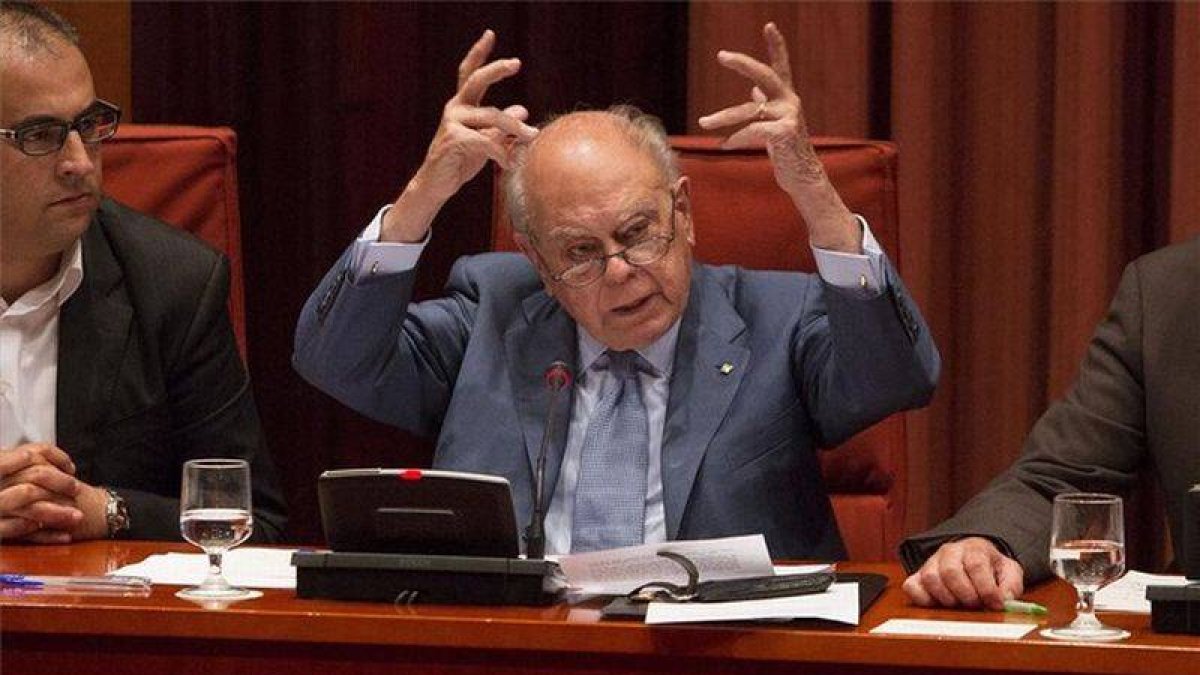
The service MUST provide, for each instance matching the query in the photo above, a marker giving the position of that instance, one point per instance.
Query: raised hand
(774, 118)
(468, 135)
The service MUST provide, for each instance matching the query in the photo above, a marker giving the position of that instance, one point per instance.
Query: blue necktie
(610, 495)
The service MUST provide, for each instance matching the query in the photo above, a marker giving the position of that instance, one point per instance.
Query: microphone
(558, 378)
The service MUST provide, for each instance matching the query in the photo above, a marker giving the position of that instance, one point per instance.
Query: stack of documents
(619, 571)
(1128, 594)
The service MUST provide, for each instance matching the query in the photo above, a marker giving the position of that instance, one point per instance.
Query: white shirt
(29, 355)
(861, 272)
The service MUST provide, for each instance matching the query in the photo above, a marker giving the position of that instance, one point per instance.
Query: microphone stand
(558, 378)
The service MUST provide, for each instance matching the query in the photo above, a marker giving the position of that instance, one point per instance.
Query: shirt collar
(660, 354)
(58, 289)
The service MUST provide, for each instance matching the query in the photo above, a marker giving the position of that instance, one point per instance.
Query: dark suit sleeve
(1092, 441)
(859, 359)
(212, 414)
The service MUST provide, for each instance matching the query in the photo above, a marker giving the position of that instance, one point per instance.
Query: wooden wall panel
(104, 31)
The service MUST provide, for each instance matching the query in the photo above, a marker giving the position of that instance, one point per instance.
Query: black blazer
(149, 373)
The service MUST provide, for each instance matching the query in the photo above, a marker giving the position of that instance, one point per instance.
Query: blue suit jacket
(811, 366)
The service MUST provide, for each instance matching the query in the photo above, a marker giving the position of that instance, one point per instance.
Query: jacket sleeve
(366, 344)
(859, 359)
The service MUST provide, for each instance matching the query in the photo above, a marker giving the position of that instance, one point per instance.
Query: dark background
(334, 106)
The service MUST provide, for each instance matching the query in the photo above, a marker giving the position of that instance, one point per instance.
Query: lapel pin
(726, 368)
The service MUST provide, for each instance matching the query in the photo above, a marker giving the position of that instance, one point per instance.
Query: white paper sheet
(1128, 594)
(839, 603)
(781, 570)
(250, 567)
(620, 570)
(976, 629)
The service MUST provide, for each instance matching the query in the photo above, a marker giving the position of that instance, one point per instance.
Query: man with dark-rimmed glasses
(117, 359)
(702, 392)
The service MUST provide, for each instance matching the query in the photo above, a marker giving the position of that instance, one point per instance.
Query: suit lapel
(710, 361)
(93, 333)
(541, 334)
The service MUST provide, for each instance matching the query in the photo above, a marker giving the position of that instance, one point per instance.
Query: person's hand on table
(37, 494)
(969, 573)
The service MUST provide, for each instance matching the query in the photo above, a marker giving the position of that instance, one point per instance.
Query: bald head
(586, 150)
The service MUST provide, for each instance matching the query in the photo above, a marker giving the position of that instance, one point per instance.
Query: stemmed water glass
(1087, 549)
(215, 514)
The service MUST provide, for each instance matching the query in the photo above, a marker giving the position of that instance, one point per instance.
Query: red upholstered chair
(742, 217)
(186, 176)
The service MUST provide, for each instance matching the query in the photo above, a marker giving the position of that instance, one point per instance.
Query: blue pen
(102, 584)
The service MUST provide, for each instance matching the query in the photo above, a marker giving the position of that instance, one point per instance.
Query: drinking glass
(1087, 549)
(214, 514)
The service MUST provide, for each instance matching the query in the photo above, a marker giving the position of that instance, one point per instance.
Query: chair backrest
(185, 176)
(742, 217)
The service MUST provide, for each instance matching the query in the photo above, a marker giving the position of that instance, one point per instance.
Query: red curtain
(1042, 147)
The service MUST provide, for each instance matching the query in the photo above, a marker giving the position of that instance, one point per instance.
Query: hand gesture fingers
(476, 85)
(495, 123)
(777, 52)
(765, 77)
(773, 117)
(476, 56)
(470, 134)
(741, 113)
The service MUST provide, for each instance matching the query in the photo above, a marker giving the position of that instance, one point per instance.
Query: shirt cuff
(862, 272)
(371, 257)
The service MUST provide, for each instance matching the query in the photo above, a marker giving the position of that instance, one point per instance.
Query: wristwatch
(116, 514)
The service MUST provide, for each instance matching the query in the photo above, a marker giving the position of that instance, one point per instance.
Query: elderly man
(702, 392)
(1132, 409)
(117, 358)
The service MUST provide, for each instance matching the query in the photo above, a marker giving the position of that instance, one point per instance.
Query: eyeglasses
(647, 251)
(44, 136)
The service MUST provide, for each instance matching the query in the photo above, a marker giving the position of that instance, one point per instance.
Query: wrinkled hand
(970, 572)
(468, 135)
(774, 118)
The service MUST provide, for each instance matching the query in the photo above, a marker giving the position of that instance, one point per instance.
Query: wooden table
(282, 635)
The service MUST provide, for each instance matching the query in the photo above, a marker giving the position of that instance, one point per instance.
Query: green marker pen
(1019, 607)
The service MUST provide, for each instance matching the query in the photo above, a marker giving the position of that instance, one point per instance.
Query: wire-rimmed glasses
(639, 254)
